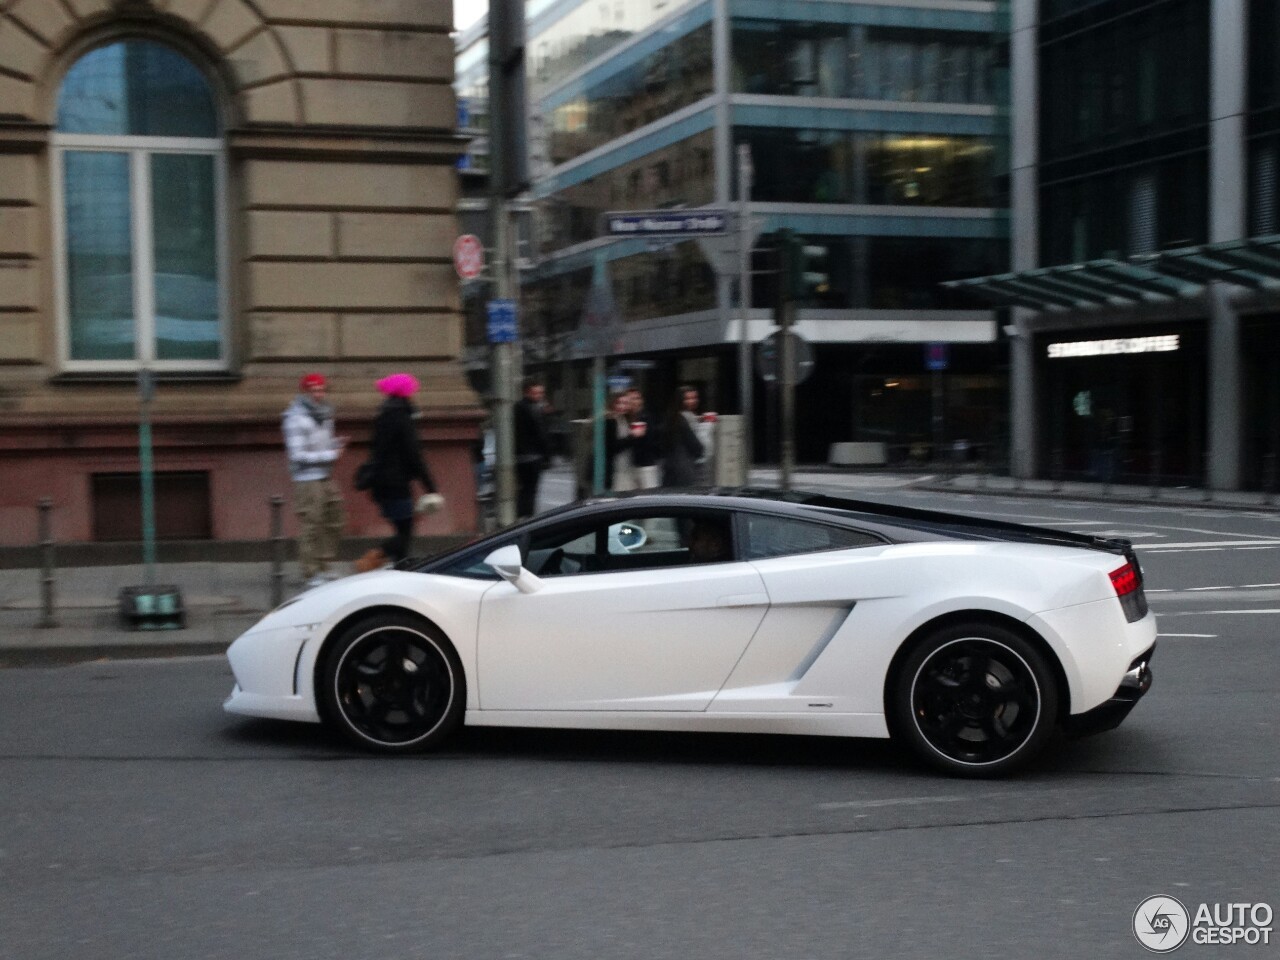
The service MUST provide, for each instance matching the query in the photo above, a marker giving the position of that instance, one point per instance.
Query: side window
(644, 542)
(784, 537)
(471, 565)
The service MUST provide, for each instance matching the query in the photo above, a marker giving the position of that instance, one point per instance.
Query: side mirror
(506, 563)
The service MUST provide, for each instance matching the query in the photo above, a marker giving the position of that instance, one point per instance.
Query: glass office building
(877, 134)
(1145, 256)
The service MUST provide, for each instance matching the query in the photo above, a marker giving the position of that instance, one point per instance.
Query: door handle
(744, 600)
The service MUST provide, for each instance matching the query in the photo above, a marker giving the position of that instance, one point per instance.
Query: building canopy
(1155, 277)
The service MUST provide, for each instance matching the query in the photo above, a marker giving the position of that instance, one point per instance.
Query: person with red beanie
(317, 501)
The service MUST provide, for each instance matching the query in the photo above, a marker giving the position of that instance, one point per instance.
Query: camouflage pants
(318, 505)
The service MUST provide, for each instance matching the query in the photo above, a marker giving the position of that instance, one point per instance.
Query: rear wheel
(975, 699)
(392, 683)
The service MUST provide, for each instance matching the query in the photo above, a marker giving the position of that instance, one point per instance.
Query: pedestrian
(312, 449)
(533, 446)
(681, 446)
(395, 460)
(645, 451)
(620, 469)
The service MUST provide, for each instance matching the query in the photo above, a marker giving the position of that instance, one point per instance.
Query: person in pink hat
(395, 461)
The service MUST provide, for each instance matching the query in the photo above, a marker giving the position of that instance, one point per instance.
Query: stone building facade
(229, 193)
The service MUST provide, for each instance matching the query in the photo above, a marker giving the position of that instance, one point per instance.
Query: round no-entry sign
(468, 256)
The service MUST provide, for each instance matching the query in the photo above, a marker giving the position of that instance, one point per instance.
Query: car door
(626, 618)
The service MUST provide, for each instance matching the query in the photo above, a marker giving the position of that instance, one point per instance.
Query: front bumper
(1111, 713)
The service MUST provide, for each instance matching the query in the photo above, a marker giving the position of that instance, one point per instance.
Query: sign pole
(745, 384)
(146, 390)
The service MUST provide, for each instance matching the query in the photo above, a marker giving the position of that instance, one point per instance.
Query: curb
(65, 656)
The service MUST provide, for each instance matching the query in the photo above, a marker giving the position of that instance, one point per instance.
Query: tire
(975, 700)
(392, 683)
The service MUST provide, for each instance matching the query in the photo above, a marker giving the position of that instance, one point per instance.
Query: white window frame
(139, 150)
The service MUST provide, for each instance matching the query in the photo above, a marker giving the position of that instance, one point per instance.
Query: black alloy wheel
(392, 683)
(976, 700)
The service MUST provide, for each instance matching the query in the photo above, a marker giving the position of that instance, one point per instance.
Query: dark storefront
(1124, 405)
(1261, 402)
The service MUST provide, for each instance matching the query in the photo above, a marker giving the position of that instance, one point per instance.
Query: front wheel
(392, 683)
(975, 700)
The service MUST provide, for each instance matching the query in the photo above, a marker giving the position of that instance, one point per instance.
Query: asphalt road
(137, 820)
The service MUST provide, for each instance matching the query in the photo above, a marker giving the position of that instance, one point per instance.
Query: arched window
(138, 201)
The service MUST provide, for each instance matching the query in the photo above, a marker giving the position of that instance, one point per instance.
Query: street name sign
(666, 223)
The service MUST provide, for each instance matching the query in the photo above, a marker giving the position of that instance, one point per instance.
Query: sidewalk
(222, 600)
(225, 598)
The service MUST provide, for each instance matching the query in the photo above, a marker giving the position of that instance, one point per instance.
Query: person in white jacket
(317, 501)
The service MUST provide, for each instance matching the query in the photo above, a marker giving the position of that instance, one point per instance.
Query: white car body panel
(798, 644)
(637, 640)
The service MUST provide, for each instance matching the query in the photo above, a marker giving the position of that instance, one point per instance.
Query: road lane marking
(1202, 636)
(1204, 613)
(895, 802)
(1205, 544)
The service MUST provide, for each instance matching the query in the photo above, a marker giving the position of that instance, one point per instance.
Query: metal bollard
(47, 618)
(1208, 485)
(277, 550)
(1271, 479)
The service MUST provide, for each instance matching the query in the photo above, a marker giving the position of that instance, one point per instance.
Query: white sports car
(970, 640)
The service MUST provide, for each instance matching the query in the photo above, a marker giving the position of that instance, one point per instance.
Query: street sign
(769, 358)
(722, 252)
(468, 256)
(502, 326)
(665, 223)
(937, 355)
(618, 382)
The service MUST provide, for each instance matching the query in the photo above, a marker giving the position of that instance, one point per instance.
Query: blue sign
(937, 356)
(502, 321)
(666, 223)
(619, 381)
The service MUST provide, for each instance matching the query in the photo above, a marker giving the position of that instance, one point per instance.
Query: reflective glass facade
(1124, 129)
(865, 167)
(787, 58)
(883, 273)
(587, 32)
(679, 175)
(1263, 124)
(658, 85)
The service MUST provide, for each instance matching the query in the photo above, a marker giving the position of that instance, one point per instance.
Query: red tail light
(1125, 580)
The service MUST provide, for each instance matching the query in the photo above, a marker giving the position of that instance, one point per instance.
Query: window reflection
(830, 166)
(136, 88)
(585, 33)
(668, 79)
(872, 63)
(185, 254)
(99, 255)
(679, 175)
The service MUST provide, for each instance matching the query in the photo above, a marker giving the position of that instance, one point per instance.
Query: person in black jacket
(396, 457)
(533, 447)
(681, 445)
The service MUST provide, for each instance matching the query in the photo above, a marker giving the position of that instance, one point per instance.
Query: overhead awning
(1156, 277)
